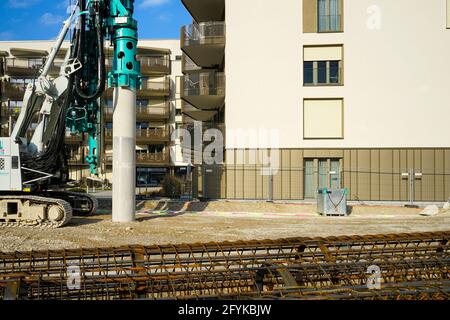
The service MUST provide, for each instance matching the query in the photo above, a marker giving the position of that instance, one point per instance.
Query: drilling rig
(34, 168)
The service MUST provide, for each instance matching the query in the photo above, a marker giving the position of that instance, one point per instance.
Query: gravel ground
(162, 223)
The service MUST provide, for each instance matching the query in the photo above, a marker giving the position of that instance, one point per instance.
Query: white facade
(395, 92)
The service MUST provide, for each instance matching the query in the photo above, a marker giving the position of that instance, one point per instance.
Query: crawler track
(412, 266)
(35, 220)
(82, 204)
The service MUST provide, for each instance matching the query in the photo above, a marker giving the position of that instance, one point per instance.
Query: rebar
(411, 266)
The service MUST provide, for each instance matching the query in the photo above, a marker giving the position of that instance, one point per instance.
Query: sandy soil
(162, 223)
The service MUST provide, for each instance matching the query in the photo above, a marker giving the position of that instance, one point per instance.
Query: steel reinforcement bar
(299, 268)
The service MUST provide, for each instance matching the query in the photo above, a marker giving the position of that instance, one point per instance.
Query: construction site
(140, 169)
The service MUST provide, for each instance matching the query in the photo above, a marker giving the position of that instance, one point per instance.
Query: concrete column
(124, 155)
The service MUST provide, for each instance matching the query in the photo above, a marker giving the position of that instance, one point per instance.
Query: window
(142, 125)
(150, 177)
(333, 71)
(35, 62)
(142, 102)
(322, 66)
(308, 72)
(329, 16)
(21, 83)
(323, 119)
(322, 71)
(109, 103)
(155, 148)
(448, 14)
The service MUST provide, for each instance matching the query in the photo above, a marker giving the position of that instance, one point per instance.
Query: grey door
(310, 191)
(321, 173)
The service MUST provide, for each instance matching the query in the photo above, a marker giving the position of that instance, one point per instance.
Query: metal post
(270, 184)
(411, 187)
(411, 177)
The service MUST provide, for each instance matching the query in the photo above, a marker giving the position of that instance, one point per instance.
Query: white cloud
(21, 4)
(51, 19)
(152, 3)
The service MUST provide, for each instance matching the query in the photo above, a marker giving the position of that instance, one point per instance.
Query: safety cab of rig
(10, 173)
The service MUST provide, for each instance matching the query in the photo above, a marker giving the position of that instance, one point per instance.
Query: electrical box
(332, 202)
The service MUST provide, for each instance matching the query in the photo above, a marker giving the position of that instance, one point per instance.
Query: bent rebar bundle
(402, 266)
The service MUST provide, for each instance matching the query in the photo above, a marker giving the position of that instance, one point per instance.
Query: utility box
(332, 202)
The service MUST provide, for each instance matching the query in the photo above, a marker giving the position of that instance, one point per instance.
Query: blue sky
(41, 19)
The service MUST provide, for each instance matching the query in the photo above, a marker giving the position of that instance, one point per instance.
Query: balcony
(12, 91)
(188, 66)
(206, 10)
(204, 43)
(23, 66)
(154, 88)
(204, 90)
(146, 158)
(149, 158)
(155, 65)
(144, 136)
(197, 114)
(145, 113)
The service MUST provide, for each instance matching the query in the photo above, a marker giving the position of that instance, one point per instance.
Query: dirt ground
(163, 223)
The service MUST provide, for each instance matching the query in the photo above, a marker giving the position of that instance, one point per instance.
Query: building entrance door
(321, 173)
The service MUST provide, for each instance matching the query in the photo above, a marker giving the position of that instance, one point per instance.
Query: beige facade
(369, 174)
(284, 73)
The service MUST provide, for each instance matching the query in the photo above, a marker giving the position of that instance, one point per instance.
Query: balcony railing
(147, 158)
(159, 64)
(149, 64)
(150, 88)
(330, 23)
(204, 84)
(153, 157)
(145, 135)
(187, 65)
(153, 112)
(24, 63)
(203, 33)
(22, 66)
(156, 85)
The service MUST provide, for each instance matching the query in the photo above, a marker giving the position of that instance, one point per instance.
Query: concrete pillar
(124, 155)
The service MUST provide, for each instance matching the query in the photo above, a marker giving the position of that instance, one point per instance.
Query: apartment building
(354, 94)
(158, 110)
